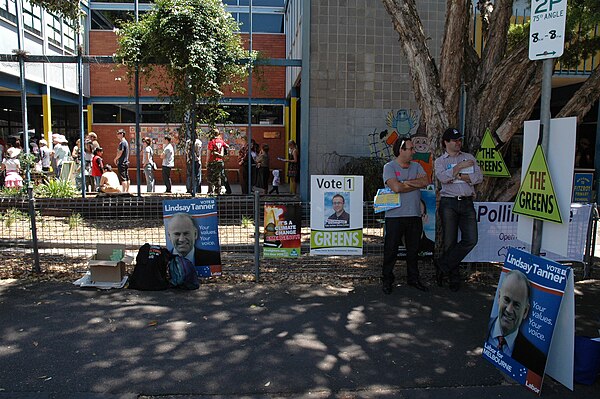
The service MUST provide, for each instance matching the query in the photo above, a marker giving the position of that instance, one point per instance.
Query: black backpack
(150, 272)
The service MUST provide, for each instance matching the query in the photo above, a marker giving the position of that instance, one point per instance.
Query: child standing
(275, 182)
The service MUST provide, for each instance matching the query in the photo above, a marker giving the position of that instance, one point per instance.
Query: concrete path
(257, 341)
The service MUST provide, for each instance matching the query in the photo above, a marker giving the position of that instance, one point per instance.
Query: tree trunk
(426, 82)
(451, 57)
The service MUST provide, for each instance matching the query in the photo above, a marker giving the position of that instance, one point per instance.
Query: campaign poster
(282, 225)
(336, 215)
(427, 242)
(192, 231)
(523, 317)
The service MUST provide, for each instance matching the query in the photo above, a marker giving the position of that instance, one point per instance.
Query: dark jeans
(197, 166)
(456, 215)
(395, 228)
(166, 175)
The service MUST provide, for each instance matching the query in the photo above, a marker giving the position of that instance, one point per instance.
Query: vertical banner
(282, 230)
(192, 231)
(525, 317)
(336, 215)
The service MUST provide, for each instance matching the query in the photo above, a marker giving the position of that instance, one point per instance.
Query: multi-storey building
(352, 83)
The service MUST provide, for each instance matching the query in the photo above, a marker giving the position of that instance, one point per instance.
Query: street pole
(28, 182)
(543, 140)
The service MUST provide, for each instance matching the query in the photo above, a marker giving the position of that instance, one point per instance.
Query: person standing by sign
(405, 177)
(458, 173)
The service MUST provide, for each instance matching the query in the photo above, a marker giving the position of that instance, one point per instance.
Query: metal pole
(543, 140)
(194, 183)
(249, 182)
(138, 145)
(28, 182)
(81, 125)
(256, 235)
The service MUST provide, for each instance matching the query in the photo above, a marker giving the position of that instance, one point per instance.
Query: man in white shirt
(168, 162)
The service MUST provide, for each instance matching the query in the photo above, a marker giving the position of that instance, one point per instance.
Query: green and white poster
(336, 215)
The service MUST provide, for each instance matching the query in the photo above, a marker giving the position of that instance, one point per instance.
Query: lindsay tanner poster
(282, 230)
(336, 215)
(525, 317)
(191, 229)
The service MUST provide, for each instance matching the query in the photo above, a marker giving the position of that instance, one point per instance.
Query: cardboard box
(108, 264)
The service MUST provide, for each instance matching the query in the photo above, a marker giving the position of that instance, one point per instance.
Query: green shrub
(13, 215)
(372, 171)
(12, 192)
(56, 189)
(75, 220)
(247, 221)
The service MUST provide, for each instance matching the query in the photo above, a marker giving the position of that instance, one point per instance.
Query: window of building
(261, 114)
(111, 19)
(261, 23)
(109, 113)
(161, 113)
(8, 10)
(32, 18)
(53, 30)
(69, 36)
(260, 3)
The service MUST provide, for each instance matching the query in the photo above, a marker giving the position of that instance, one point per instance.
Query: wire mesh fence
(71, 228)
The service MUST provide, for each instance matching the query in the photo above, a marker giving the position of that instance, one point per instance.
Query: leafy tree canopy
(194, 41)
(67, 8)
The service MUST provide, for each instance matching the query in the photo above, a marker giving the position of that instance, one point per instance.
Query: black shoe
(439, 278)
(454, 287)
(387, 287)
(418, 285)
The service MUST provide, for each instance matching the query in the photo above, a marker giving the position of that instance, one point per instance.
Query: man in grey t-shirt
(406, 178)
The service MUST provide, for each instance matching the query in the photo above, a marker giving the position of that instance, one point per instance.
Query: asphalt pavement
(258, 341)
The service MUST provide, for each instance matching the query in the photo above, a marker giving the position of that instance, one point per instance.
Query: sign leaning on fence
(192, 231)
(336, 215)
(282, 230)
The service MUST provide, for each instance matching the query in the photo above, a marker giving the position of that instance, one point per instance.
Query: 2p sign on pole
(547, 31)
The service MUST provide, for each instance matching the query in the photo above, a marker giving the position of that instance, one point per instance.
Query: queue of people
(51, 159)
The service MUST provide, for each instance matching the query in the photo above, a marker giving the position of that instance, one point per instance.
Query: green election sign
(536, 197)
(489, 158)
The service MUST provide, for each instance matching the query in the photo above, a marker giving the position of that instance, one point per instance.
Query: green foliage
(12, 215)
(27, 160)
(247, 222)
(196, 43)
(75, 220)
(371, 169)
(56, 188)
(66, 8)
(12, 192)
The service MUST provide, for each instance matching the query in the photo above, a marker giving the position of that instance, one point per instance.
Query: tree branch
(425, 78)
(583, 99)
(452, 56)
(495, 47)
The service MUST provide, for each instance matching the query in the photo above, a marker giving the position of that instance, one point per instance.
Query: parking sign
(547, 30)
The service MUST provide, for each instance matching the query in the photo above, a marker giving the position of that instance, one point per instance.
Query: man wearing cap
(122, 160)
(457, 172)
